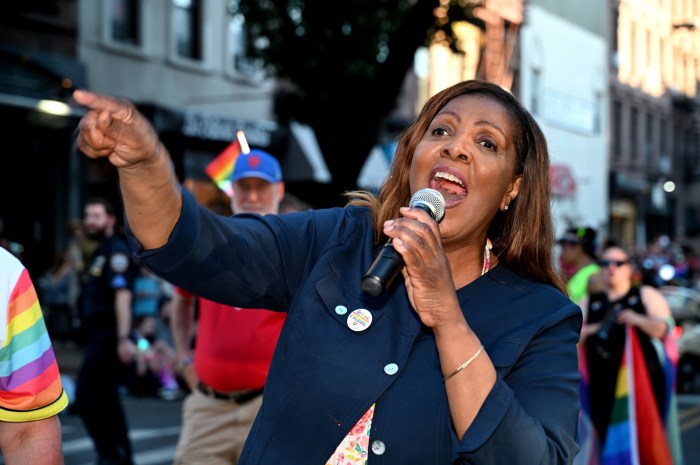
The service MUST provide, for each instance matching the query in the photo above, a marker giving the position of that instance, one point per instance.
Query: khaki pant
(214, 430)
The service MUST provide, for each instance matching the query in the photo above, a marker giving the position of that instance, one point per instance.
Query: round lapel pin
(359, 319)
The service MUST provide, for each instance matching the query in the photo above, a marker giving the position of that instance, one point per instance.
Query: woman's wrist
(453, 331)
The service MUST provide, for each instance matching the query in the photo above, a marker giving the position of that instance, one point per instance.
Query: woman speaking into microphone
(468, 357)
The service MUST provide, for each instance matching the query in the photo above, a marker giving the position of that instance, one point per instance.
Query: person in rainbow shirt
(31, 393)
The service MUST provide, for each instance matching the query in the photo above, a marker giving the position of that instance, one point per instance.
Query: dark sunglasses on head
(617, 263)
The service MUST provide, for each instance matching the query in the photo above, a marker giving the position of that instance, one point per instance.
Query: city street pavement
(154, 424)
(689, 417)
(154, 427)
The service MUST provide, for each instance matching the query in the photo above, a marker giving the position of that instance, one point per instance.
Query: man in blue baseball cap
(227, 370)
(257, 183)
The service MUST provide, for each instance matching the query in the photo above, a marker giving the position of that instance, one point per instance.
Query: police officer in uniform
(105, 313)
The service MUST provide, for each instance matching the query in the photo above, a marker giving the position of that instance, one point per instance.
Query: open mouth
(450, 186)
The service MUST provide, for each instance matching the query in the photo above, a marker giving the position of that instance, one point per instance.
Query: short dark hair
(108, 206)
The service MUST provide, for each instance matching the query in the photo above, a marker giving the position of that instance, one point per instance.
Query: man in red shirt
(228, 367)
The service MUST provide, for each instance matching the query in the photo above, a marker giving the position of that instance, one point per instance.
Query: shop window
(187, 29)
(125, 22)
(240, 63)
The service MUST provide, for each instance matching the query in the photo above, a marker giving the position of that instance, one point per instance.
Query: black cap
(584, 236)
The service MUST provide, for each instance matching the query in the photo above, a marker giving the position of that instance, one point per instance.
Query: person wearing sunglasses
(623, 343)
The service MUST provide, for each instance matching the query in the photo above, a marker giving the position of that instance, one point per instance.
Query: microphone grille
(431, 199)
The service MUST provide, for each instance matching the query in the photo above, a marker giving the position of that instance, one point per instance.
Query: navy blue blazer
(325, 375)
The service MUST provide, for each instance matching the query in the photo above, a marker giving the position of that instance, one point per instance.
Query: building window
(663, 66)
(634, 62)
(663, 137)
(240, 63)
(649, 52)
(649, 141)
(634, 143)
(617, 130)
(125, 22)
(187, 28)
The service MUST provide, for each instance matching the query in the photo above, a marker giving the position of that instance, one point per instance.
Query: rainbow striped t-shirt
(30, 383)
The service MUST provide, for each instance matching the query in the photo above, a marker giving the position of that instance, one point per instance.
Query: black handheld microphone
(389, 262)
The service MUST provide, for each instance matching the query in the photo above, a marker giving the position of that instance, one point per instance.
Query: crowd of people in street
(138, 333)
(262, 300)
(628, 355)
(450, 338)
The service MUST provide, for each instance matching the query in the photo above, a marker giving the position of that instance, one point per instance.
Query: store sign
(561, 180)
(214, 127)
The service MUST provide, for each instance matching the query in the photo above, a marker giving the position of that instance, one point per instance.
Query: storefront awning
(304, 160)
(296, 146)
(39, 81)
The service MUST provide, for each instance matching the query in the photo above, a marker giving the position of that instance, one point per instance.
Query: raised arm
(114, 129)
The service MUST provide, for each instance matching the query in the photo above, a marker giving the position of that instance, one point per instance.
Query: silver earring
(505, 208)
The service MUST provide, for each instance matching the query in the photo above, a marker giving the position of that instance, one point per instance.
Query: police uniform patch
(97, 265)
(119, 262)
(119, 282)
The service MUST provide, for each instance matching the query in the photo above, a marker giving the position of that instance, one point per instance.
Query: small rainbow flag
(221, 167)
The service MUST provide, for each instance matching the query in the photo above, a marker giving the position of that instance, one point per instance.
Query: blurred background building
(654, 150)
(614, 85)
(564, 83)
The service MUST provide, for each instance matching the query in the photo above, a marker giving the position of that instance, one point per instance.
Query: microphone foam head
(430, 200)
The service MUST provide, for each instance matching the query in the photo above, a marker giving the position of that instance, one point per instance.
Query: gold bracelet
(465, 364)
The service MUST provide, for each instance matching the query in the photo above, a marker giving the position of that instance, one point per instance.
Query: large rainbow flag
(221, 167)
(637, 434)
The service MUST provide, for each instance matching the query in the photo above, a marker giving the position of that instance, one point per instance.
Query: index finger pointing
(119, 109)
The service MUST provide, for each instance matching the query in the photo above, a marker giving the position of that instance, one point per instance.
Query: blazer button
(341, 309)
(378, 447)
(391, 369)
